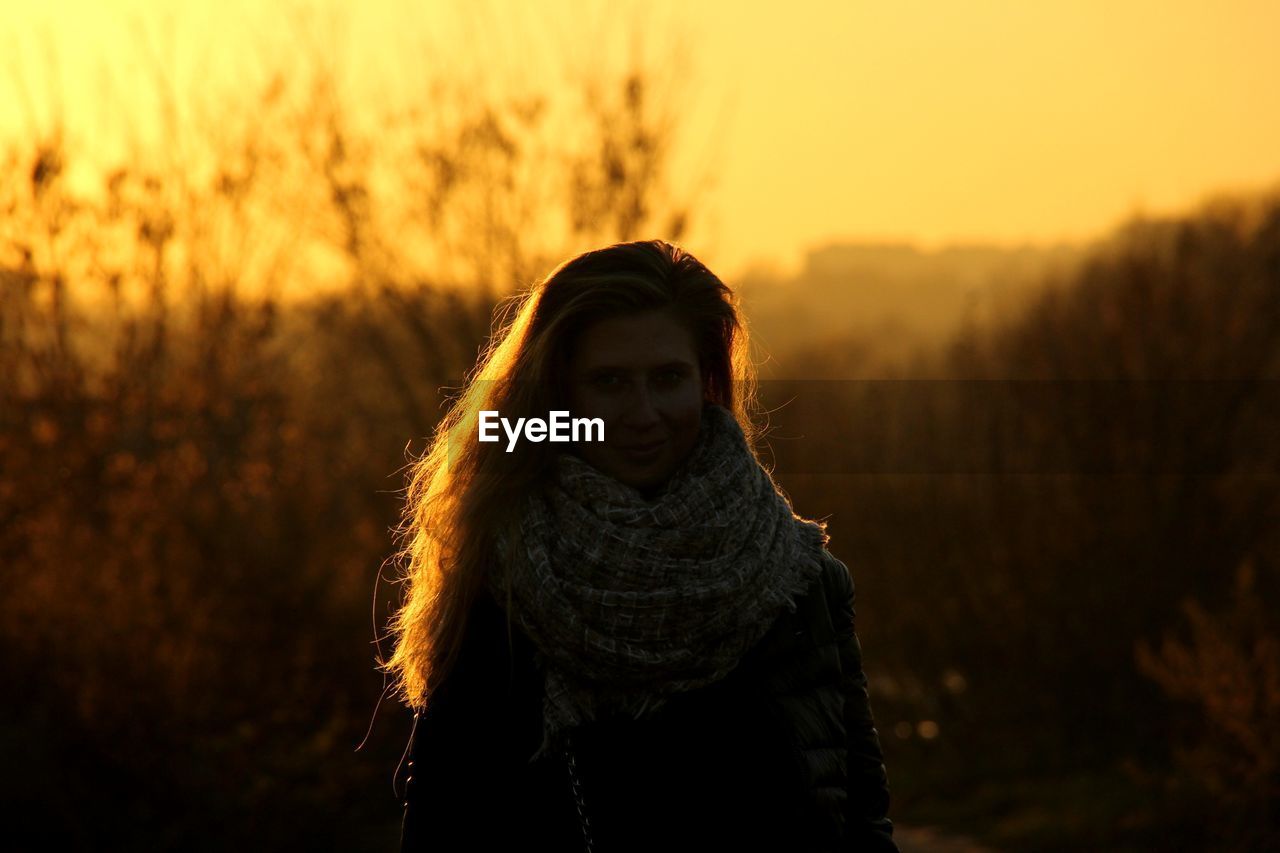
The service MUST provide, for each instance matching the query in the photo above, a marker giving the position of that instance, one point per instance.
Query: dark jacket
(781, 754)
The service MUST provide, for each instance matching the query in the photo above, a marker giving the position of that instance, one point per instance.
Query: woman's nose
(640, 409)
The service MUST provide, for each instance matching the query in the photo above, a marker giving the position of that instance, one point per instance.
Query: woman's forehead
(648, 339)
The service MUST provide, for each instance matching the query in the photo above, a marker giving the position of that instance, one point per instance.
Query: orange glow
(924, 121)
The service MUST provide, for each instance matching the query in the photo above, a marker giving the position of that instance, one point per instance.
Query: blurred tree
(195, 447)
(1229, 669)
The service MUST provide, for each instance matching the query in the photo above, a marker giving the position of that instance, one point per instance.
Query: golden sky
(925, 121)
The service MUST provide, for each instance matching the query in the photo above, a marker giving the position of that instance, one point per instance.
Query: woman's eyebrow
(600, 368)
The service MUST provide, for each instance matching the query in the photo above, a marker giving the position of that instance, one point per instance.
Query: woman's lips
(643, 452)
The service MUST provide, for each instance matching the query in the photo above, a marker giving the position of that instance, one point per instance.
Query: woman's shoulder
(831, 591)
(837, 580)
(493, 645)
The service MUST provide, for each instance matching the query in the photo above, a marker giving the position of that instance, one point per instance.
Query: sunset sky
(926, 121)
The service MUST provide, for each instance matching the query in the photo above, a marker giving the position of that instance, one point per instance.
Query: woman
(630, 643)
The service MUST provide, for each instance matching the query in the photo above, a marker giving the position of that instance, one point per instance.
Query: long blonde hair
(461, 492)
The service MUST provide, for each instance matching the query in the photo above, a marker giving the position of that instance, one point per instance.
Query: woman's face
(639, 373)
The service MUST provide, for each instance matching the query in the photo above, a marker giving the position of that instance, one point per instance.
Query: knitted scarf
(629, 601)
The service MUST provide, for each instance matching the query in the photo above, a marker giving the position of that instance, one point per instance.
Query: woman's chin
(647, 482)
